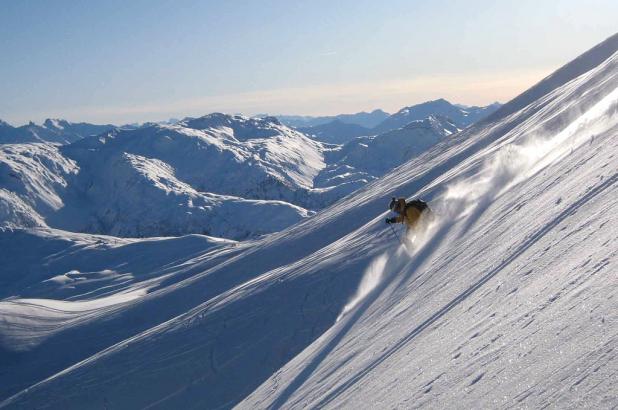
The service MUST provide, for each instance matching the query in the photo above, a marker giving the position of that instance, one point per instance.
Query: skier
(410, 213)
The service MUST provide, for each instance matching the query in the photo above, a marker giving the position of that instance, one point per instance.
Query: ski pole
(395, 233)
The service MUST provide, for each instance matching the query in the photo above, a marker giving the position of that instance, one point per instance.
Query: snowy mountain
(368, 158)
(335, 132)
(218, 175)
(52, 130)
(340, 132)
(508, 298)
(461, 116)
(363, 119)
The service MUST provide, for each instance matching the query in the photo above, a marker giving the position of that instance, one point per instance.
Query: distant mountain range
(62, 131)
(337, 129)
(364, 119)
(220, 175)
(336, 132)
(52, 130)
(368, 158)
(460, 115)
(344, 128)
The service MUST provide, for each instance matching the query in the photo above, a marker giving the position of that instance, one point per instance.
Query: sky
(147, 60)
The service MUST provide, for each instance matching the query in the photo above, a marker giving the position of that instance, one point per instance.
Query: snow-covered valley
(507, 298)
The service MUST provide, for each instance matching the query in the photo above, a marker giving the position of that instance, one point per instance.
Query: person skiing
(410, 213)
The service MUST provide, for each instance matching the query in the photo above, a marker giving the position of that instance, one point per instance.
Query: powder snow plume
(371, 278)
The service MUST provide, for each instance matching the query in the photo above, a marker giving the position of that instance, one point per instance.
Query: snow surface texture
(507, 298)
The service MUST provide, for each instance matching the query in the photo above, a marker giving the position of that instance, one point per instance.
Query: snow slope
(508, 299)
(32, 180)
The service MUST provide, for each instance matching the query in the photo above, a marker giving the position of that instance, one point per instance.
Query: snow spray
(371, 278)
(379, 269)
(519, 159)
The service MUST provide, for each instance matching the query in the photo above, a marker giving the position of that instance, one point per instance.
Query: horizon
(276, 115)
(112, 63)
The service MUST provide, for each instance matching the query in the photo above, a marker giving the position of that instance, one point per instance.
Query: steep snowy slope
(507, 300)
(32, 180)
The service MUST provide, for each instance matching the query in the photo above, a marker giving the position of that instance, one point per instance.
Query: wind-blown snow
(507, 300)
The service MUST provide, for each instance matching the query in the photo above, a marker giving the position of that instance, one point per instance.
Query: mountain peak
(56, 123)
(440, 124)
(441, 101)
(212, 120)
(461, 117)
(378, 111)
(236, 121)
(271, 119)
(242, 127)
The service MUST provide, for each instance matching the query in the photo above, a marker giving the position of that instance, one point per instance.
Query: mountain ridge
(52, 130)
(363, 118)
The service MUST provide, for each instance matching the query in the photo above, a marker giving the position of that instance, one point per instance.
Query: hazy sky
(132, 61)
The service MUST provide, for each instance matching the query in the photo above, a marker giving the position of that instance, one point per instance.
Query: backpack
(418, 204)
